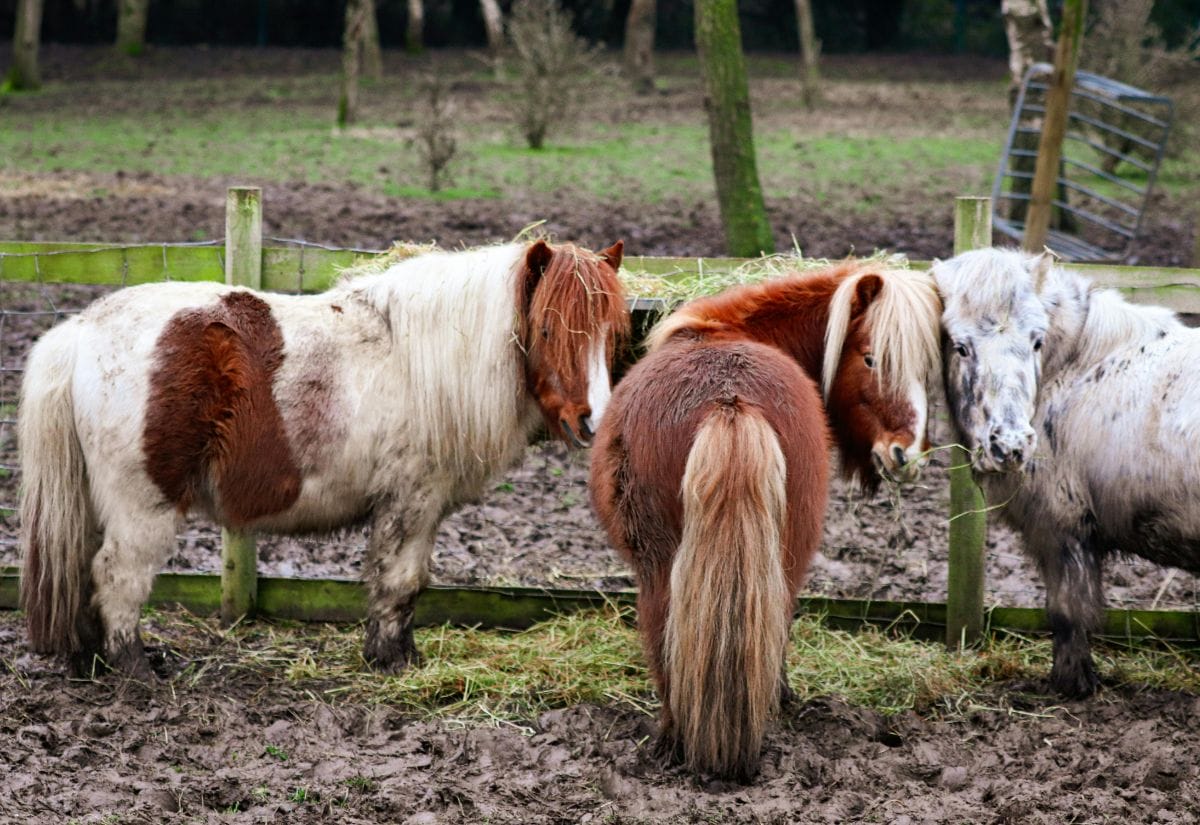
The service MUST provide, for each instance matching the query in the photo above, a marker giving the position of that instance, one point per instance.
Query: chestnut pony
(709, 473)
(388, 400)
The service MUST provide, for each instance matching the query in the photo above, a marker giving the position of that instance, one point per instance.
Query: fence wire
(510, 538)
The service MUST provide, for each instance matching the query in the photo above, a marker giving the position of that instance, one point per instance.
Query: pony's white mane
(452, 319)
(905, 323)
(1086, 322)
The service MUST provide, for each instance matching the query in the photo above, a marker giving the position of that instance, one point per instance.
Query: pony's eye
(961, 349)
(869, 360)
(545, 333)
(1037, 345)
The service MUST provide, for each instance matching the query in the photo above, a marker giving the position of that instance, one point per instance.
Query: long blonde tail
(57, 542)
(727, 626)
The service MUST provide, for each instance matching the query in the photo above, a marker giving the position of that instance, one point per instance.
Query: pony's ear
(614, 254)
(1039, 268)
(537, 258)
(865, 292)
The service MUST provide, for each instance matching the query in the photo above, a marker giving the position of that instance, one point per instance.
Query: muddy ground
(238, 745)
(234, 744)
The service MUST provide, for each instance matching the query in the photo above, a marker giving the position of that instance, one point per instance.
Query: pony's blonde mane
(905, 321)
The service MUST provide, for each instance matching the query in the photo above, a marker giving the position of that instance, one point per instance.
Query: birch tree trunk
(639, 44)
(1027, 25)
(493, 24)
(24, 73)
(131, 26)
(352, 39)
(372, 56)
(727, 100)
(414, 36)
(810, 52)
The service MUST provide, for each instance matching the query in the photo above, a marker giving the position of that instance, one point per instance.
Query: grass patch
(474, 676)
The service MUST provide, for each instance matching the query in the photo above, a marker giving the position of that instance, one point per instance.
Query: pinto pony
(709, 473)
(389, 399)
(1081, 414)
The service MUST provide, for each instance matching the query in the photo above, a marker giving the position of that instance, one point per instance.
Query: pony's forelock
(571, 273)
(904, 321)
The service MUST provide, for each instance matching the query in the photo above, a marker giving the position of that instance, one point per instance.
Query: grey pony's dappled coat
(1081, 411)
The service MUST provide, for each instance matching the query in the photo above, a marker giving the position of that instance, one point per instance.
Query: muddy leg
(134, 548)
(1075, 606)
(397, 571)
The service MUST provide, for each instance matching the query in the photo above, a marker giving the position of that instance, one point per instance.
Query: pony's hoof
(1079, 682)
(392, 659)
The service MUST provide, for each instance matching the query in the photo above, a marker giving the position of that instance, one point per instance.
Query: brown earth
(229, 743)
(209, 749)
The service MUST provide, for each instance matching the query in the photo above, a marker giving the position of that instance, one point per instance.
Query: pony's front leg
(397, 571)
(1071, 571)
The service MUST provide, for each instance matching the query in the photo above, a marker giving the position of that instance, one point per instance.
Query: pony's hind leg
(135, 546)
(397, 570)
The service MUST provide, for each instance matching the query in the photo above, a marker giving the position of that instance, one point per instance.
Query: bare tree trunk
(1027, 24)
(24, 73)
(639, 44)
(810, 53)
(352, 39)
(414, 36)
(727, 100)
(372, 56)
(493, 23)
(131, 26)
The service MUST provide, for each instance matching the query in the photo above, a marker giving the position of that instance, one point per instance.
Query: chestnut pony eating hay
(390, 399)
(709, 473)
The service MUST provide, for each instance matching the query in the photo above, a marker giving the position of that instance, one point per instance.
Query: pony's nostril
(1016, 455)
(898, 455)
(998, 452)
(587, 426)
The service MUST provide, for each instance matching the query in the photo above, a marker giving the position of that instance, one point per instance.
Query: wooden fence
(310, 268)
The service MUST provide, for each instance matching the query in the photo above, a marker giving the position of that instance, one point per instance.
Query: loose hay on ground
(474, 676)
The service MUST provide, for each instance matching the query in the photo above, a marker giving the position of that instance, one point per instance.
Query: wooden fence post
(1054, 126)
(243, 267)
(968, 520)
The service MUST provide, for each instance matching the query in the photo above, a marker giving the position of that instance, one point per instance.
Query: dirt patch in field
(227, 743)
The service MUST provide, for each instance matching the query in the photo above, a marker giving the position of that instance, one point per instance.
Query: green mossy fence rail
(311, 268)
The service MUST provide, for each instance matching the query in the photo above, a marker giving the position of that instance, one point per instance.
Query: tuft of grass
(484, 677)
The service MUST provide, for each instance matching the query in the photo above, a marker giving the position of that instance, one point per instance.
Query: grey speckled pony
(1081, 411)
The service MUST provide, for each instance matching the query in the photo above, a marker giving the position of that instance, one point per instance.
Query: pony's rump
(727, 624)
(56, 516)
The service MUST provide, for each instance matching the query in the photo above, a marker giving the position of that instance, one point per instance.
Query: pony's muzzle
(895, 464)
(1008, 449)
(581, 434)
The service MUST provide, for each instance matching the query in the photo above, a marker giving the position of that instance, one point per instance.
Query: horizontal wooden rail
(307, 269)
(515, 608)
